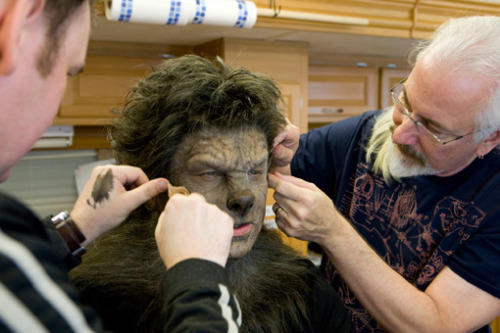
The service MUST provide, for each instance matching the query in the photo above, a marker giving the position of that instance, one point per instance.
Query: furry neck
(122, 272)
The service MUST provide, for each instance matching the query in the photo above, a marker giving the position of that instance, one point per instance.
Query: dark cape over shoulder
(278, 290)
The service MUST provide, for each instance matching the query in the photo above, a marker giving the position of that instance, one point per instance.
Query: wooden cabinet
(401, 18)
(495, 325)
(389, 77)
(285, 62)
(336, 93)
(91, 96)
(111, 69)
(339, 92)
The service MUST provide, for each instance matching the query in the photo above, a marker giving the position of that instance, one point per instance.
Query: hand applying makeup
(285, 145)
(110, 195)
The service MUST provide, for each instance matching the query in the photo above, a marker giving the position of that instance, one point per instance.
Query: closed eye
(436, 131)
(255, 174)
(209, 174)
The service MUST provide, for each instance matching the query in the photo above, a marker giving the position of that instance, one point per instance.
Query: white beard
(401, 166)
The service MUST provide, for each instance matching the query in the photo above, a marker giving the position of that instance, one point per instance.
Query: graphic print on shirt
(415, 238)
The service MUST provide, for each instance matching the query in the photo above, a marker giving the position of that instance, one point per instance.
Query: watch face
(62, 216)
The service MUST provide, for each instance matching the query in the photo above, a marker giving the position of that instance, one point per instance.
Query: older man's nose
(406, 131)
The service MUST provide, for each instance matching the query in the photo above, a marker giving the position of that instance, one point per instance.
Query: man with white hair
(404, 201)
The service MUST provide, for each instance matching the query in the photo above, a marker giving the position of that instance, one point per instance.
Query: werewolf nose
(241, 202)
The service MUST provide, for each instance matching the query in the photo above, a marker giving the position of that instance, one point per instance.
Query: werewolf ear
(158, 203)
(176, 190)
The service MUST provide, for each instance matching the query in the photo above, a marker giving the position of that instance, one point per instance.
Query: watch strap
(70, 233)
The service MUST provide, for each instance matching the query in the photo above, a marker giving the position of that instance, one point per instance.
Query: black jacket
(35, 290)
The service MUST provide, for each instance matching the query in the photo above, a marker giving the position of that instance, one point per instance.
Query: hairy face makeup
(229, 168)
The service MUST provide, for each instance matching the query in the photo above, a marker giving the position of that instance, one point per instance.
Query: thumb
(295, 181)
(147, 191)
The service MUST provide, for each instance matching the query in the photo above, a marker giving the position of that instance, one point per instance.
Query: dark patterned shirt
(418, 225)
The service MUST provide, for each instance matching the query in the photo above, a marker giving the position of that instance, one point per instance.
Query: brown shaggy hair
(121, 273)
(187, 95)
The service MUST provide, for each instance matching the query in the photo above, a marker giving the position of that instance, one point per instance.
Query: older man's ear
(488, 144)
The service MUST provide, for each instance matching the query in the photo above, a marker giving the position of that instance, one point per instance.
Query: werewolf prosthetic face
(208, 127)
(229, 168)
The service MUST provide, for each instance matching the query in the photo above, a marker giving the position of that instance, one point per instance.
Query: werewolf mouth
(242, 229)
(240, 225)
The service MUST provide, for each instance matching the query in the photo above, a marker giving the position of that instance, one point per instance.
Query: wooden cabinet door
(284, 62)
(294, 105)
(495, 325)
(337, 93)
(91, 96)
(389, 77)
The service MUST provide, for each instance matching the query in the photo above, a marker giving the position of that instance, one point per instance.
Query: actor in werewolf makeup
(209, 128)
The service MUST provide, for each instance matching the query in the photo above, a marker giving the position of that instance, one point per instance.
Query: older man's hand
(285, 145)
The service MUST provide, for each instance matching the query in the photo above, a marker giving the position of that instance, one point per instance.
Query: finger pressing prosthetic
(172, 190)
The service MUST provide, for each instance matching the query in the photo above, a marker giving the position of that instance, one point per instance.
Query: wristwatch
(69, 231)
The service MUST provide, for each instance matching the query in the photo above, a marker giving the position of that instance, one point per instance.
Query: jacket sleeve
(197, 299)
(35, 291)
(60, 246)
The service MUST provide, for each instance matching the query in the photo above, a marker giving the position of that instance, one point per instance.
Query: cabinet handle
(330, 110)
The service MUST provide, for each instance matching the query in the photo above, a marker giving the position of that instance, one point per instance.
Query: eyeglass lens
(397, 95)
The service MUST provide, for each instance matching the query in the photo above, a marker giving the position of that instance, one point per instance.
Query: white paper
(232, 13)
